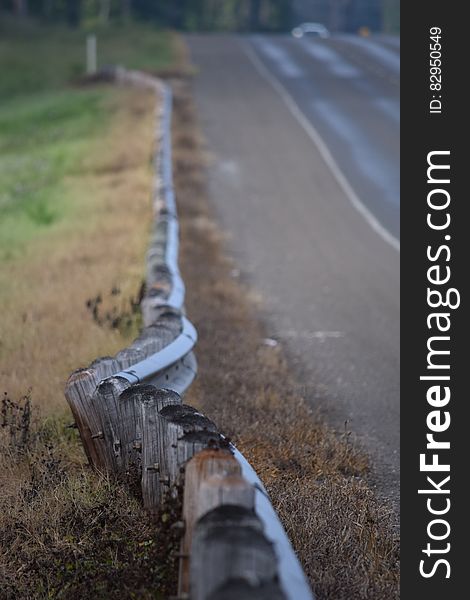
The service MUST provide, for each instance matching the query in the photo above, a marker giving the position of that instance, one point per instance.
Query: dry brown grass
(66, 532)
(49, 332)
(344, 537)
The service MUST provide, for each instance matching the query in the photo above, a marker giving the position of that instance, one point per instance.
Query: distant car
(314, 29)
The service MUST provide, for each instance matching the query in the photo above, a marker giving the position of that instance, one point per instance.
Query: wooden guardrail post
(231, 557)
(225, 554)
(208, 463)
(129, 356)
(130, 425)
(153, 450)
(79, 389)
(165, 326)
(105, 402)
(171, 434)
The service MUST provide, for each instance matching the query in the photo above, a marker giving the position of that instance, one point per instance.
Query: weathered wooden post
(153, 449)
(211, 462)
(161, 330)
(130, 356)
(130, 426)
(231, 558)
(105, 402)
(171, 434)
(105, 366)
(79, 389)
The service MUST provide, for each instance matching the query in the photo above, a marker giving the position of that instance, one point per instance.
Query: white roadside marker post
(91, 61)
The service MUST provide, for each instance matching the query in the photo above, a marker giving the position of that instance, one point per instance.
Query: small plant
(125, 317)
(16, 422)
(41, 214)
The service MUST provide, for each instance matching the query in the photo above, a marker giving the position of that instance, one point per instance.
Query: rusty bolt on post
(155, 467)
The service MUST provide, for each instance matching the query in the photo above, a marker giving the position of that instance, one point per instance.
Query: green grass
(48, 122)
(43, 139)
(34, 58)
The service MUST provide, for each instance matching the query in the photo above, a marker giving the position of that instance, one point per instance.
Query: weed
(16, 422)
(125, 316)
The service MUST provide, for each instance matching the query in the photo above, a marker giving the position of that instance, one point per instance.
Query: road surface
(304, 136)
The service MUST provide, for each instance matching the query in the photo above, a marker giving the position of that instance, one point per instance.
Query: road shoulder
(317, 479)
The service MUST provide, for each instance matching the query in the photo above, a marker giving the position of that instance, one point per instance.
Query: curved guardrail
(157, 363)
(131, 419)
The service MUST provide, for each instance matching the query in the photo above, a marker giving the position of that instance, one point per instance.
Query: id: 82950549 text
(435, 70)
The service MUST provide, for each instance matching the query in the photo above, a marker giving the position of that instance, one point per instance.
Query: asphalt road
(304, 137)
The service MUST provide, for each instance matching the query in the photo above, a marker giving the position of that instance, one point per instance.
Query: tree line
(190, 15)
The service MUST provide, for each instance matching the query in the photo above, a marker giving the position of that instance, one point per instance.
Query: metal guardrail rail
(160, 361)
(131, 419)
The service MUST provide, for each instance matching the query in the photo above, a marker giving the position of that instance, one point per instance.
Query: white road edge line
(322, 147)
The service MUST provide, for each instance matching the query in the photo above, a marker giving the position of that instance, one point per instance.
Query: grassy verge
(344, 537)
(75, 182)
(47, 122)
(65, 530)
(44, 140)
(97, 246)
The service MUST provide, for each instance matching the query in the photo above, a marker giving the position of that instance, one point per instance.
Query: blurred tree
(282, 15)
(104, 12)
(47, 8)
(73, 12)
(20, 8)
(126, 9)
(255, 8)
(203, 15)
(391, 16)
(338, 14)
